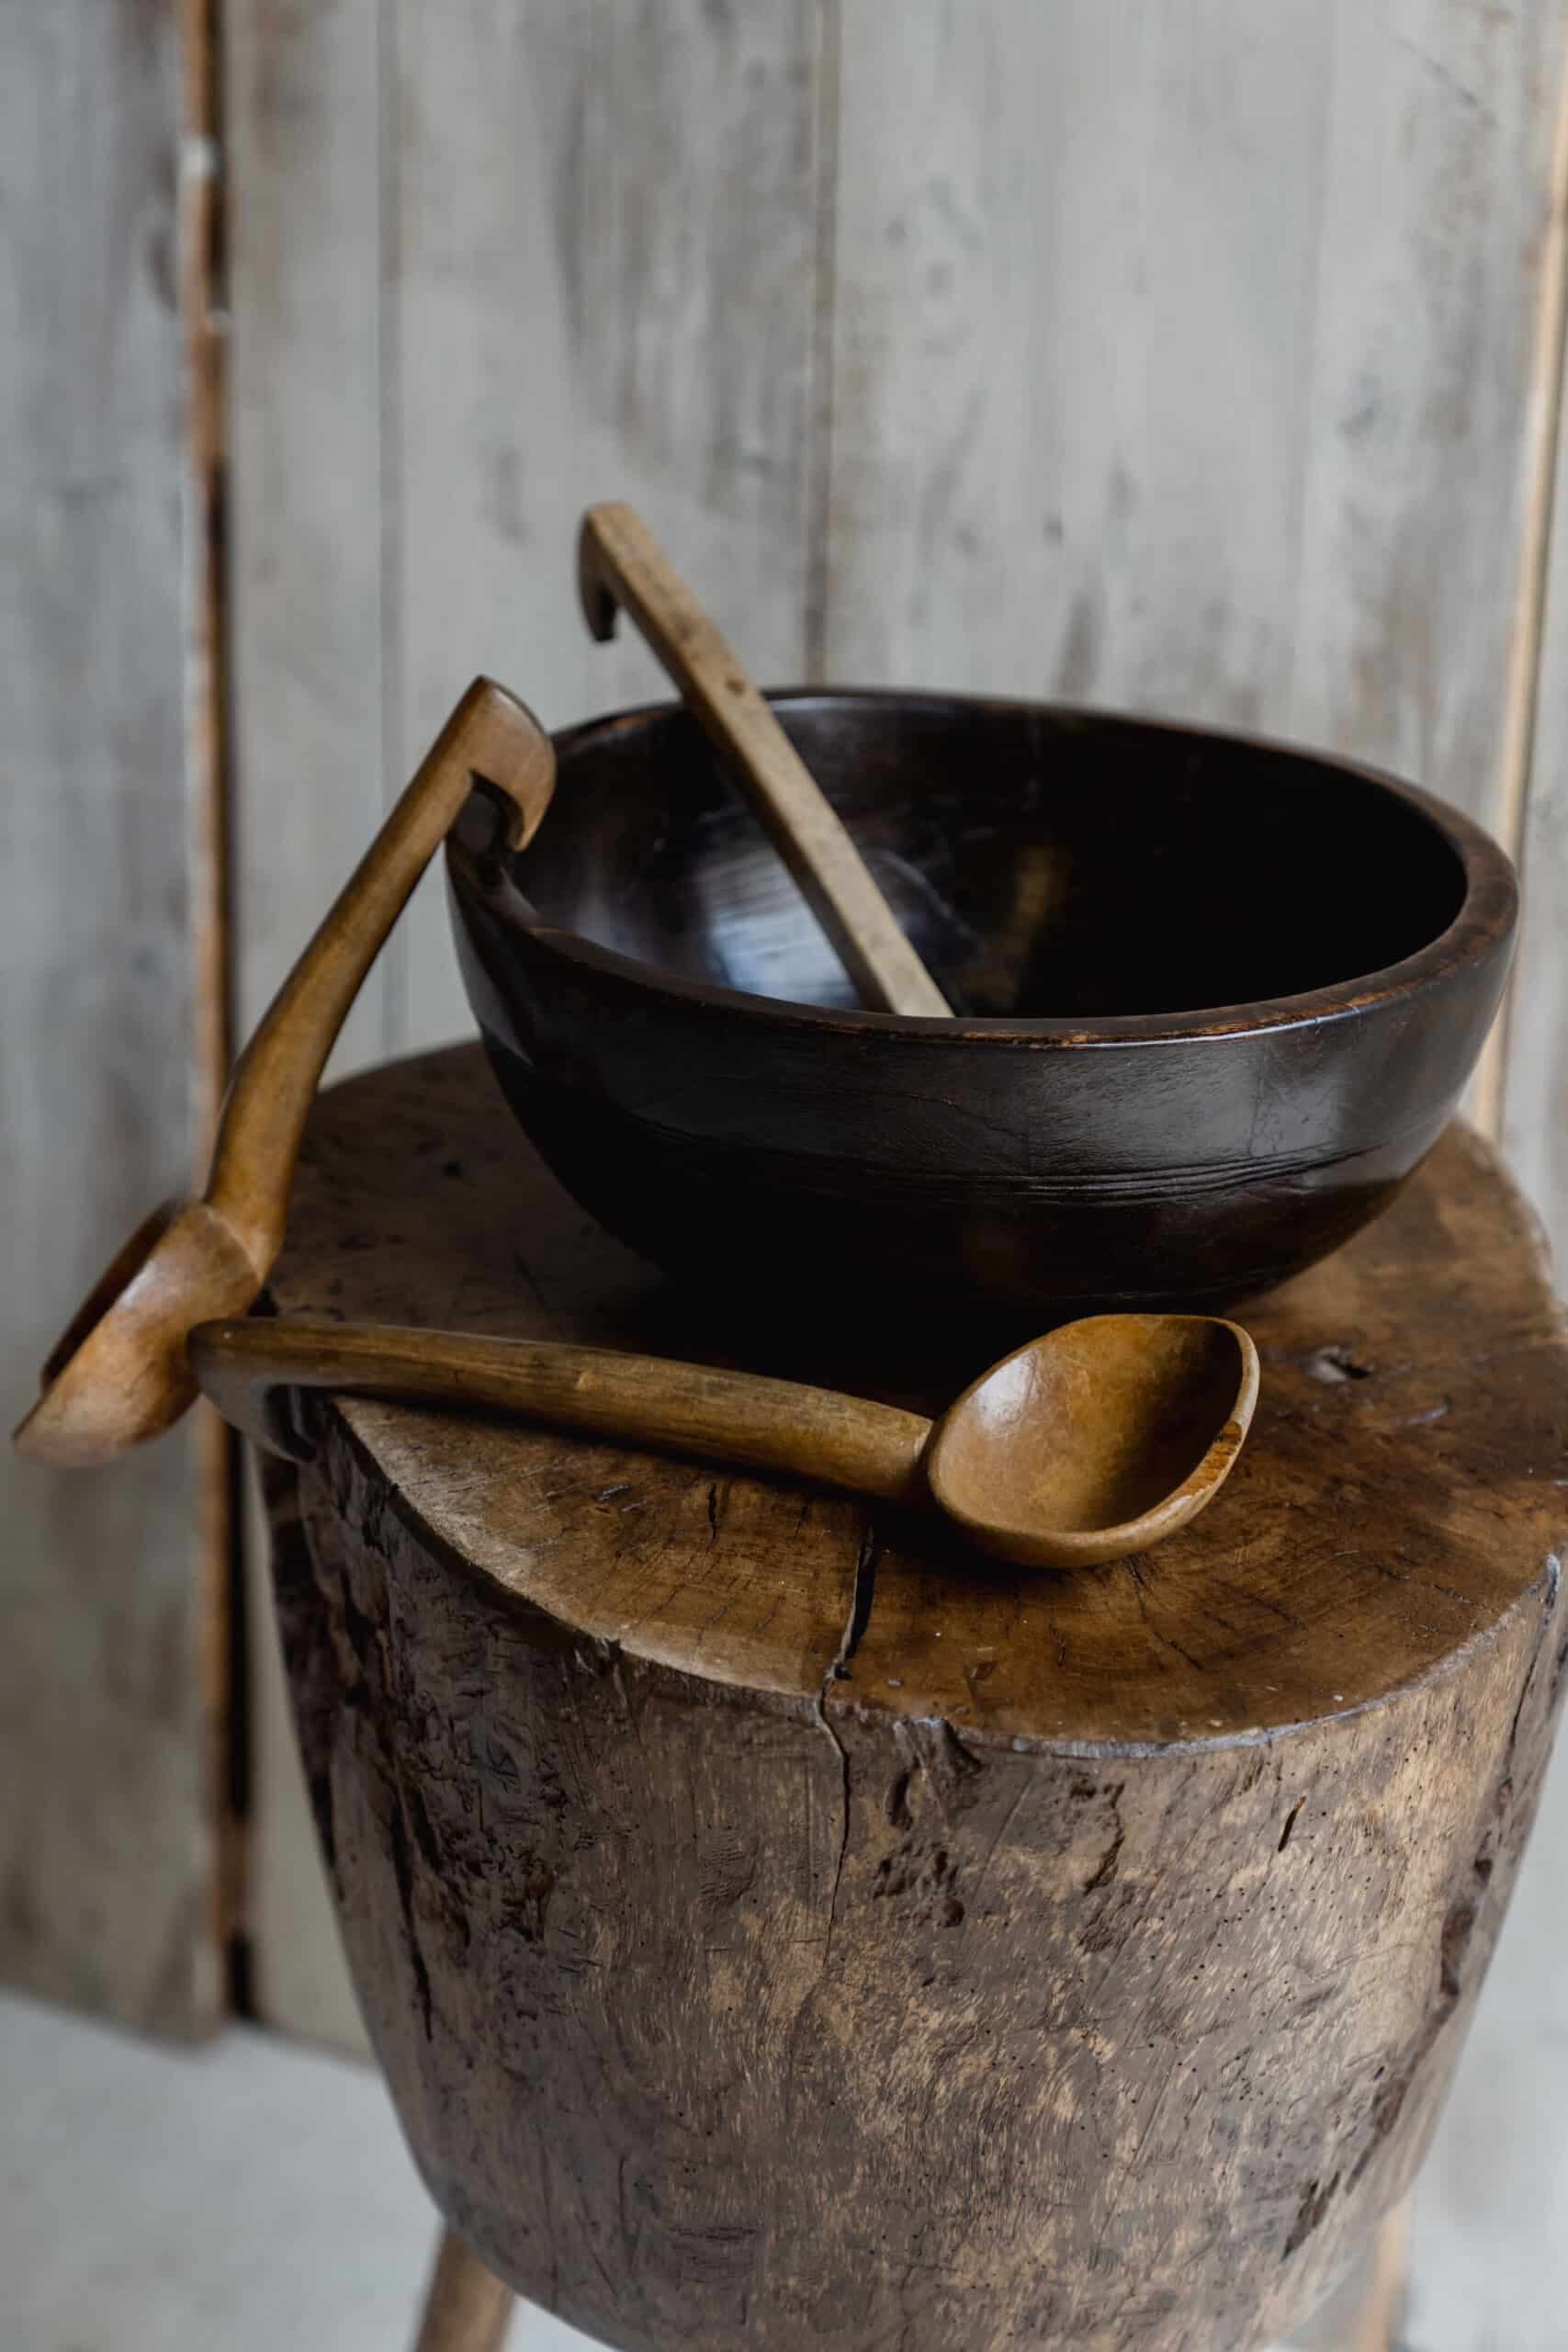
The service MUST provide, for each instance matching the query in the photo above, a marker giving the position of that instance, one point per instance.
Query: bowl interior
(1045, 862)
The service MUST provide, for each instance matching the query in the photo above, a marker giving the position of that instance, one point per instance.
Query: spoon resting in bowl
(619, 562)
(1099, 1439)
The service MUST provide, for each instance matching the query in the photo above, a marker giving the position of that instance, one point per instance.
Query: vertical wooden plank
(1418, 481)
(1522, 692)
(106, 1851)
(303, 125)
(303, 100)
(1535, 1084)
(601, 280)
(1182, 358)
(1066, 422)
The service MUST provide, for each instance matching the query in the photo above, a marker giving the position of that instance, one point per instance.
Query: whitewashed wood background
(1181, 355)
(108, 1850)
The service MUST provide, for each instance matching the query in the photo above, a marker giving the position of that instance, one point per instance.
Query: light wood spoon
(620, 562)
(119, 1374)
(1099, 1440)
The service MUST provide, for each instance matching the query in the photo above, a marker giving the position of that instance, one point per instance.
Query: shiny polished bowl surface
(1214, 999)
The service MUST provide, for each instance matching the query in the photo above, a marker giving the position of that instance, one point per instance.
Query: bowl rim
(1484, 920)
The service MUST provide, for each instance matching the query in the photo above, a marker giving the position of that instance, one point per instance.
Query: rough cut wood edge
(1453, 1424)
(686, 1898)
(592, 1896)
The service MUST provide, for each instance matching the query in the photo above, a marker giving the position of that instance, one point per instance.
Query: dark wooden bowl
(1216, 1000)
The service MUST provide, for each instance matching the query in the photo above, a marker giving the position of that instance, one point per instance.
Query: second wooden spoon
(119, 1375)
(620, 562)
(1099, 1440)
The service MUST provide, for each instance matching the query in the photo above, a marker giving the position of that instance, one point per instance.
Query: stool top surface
(1404, 1487)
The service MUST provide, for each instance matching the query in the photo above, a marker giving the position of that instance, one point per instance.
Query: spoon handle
(736, 1417)
(490, 736)
(620, 562)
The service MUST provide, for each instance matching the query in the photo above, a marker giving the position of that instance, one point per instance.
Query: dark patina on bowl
(1214, 999)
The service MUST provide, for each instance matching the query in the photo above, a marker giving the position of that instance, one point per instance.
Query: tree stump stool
(780, 1927)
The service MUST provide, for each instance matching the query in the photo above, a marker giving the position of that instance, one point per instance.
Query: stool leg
(1384, 2305)
(467, 2309)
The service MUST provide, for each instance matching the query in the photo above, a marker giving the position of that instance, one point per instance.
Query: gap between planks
(391, 637)
(204, 341)
(824, 302)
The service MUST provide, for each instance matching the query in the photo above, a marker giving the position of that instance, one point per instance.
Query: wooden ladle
(1099, 1440)
(620, 562)
(120, 1374)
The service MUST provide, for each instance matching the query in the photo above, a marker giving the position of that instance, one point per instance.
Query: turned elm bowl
(1214, 999)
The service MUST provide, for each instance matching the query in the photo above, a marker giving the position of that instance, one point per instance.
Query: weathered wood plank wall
(1178, 357)
(1183, 358)
(107, 1831)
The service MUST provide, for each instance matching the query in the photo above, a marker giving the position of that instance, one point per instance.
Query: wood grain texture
(602, 286)
(787, 1951)
(1535, 1104)
(1182, 360)
(107, 1868)
(303, 133)
(303, 130)
(1522, 694)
